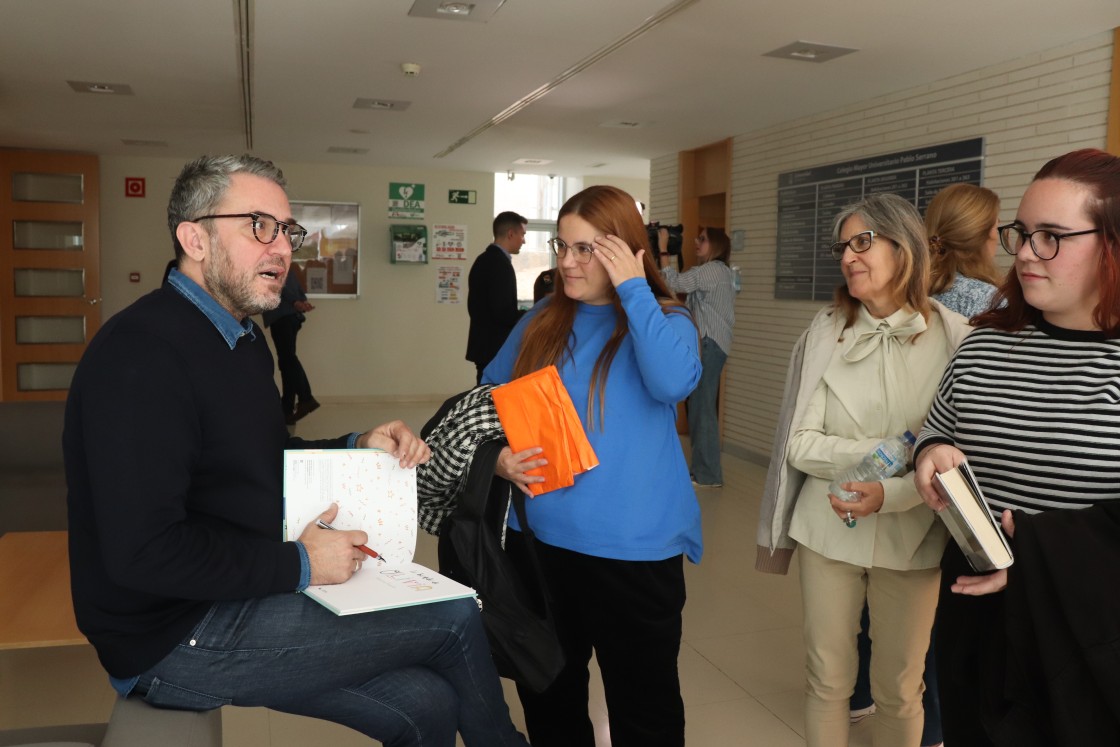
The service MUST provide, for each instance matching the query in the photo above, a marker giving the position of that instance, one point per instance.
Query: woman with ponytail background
(961, 224)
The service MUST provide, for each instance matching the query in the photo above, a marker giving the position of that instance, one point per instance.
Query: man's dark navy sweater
(173, 446)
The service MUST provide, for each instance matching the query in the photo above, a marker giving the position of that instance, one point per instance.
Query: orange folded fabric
(536, 410)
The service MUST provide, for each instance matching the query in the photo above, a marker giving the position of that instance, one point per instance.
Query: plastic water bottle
(888, 458)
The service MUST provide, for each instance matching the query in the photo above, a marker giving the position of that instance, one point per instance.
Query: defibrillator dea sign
(406, 200)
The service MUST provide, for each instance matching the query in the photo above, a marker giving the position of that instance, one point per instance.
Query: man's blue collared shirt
(230, 329)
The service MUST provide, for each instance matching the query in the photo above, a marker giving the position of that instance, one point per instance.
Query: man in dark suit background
(492, 292)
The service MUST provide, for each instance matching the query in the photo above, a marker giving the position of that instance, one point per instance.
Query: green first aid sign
(406, 200)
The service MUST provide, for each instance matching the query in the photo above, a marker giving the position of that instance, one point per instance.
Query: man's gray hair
(203, 182)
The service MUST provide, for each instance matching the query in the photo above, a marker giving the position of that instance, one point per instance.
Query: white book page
(373, 492)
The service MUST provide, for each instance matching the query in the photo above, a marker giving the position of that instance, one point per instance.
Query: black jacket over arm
(1060, 684)
(173, 446)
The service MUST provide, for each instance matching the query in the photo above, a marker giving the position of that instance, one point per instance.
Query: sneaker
(861, 713)
(706, 484)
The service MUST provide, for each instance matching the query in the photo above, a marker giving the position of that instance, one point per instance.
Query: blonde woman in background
(961, 222)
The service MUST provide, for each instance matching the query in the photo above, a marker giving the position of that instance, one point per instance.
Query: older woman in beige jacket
(867, 368)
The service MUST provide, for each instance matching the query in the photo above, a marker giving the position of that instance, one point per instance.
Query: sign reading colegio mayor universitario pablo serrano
(810, 199)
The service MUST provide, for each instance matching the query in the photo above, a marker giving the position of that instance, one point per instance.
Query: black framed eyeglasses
(859, 244)
(582, 251)
(1044, 243)
(266, 228)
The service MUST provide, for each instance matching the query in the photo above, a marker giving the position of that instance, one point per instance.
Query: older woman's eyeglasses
(582, 252)
(266, 228)
(859, 244)
(1044, 243)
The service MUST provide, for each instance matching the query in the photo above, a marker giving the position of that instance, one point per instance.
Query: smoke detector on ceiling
(410, 69)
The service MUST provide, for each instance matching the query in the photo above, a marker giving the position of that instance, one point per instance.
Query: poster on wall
(406, 200)
(408, 244)
(810, 198)
(328, 259)
(449, 284)
(449, 241)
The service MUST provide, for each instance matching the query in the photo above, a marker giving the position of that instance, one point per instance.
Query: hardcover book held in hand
(376, 495)
(970, 522)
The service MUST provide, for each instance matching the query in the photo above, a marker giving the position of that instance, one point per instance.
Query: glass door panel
(49, 270)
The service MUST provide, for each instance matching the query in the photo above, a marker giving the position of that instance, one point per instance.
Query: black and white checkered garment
(470, 422)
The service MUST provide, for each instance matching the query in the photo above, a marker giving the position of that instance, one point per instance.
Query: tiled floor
(741, 659)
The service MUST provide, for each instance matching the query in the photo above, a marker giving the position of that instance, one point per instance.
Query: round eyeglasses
(1044, 243)
(859, 244)
(266, 228)
(582, 252)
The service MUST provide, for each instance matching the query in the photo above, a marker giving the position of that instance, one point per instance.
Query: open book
(970, 522)
(373, 494)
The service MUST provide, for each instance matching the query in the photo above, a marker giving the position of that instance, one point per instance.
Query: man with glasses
(492, 292)
(173, 444)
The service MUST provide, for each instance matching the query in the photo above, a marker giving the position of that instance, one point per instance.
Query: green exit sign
(462, 196)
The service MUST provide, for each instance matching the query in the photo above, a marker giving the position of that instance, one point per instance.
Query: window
(538, 198)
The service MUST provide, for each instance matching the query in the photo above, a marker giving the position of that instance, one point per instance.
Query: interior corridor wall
(394, 342)
(1028, 110)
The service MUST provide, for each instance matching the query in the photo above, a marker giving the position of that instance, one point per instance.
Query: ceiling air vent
(86, 86)
(382, 104)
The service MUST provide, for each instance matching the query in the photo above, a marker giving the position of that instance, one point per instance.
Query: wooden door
(50, 288)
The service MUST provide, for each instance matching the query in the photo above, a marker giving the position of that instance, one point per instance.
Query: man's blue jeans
(408, 676)
(703, 418)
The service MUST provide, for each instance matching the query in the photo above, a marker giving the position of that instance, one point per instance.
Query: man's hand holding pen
(335, 555)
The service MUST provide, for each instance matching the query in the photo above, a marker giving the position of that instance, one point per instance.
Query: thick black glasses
(859, 244)
(1044, 243)
(560, 248)
(266, 228)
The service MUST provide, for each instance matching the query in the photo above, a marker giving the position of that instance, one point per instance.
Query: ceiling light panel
(475, 11)
(810, 52)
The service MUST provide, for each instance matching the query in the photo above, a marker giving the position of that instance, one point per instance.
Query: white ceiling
(695, 78)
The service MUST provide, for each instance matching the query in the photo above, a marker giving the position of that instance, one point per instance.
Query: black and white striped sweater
(1037, 414)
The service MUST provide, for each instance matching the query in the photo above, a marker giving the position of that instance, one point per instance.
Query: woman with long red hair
(612, 545)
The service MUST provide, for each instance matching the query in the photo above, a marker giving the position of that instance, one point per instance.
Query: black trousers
(629, 613)
(969, 644)
(293, 379)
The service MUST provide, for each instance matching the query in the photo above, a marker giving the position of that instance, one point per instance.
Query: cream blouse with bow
(880, 382)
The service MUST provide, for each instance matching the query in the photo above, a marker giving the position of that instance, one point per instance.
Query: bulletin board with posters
(327, 263)
(810, 198)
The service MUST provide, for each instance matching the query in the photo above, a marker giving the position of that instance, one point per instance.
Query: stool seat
(134, 723)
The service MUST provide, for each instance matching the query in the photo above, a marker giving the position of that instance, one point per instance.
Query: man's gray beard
(234, 294)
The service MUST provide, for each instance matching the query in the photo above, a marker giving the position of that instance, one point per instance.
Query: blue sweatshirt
(638, 504)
